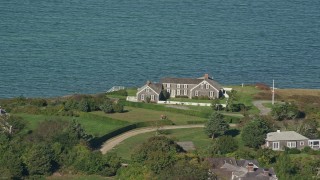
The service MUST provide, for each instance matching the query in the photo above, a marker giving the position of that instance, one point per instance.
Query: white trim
(178, 92)
(168, 85)
(178, 86)
(185, 92)
(196, 93)
(275, 145)
(168, 90)
(301, 143)
(211, 94)
(185, 86)
(200, 84)
(291, 144)
(207, 86)
(152, 97)
(142, 97)
(143, 88)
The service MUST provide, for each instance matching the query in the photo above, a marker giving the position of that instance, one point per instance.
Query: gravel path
(263, 110)
(111, 143)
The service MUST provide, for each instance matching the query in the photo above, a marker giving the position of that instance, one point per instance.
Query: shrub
(118, 107)
(292, 150)
(107, 107)
(223, 145)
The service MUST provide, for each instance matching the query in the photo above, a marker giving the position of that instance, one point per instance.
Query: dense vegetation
(59, 143)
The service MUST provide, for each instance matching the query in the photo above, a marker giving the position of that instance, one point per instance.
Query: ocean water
(57, 47)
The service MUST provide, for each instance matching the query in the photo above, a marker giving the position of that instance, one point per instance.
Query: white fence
(132, 98)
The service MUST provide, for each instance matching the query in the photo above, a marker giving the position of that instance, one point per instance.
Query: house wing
(285, 136)
(180, 80)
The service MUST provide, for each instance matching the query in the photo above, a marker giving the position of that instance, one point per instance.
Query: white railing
(116, 88)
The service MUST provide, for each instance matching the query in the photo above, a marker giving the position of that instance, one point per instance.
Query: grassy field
(196, 135)
(139, 115)
(245, 95)
(93, 124)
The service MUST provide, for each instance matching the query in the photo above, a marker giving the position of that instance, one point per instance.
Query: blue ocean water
(56, 47)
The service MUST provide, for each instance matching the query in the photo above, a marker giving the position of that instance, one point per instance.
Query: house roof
(239, 168)
(181, 80)
(285, 136)
(190, 81)
(157, 87)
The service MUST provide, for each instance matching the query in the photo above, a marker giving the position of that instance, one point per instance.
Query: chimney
(250, 167)
(266, 172)
(206, 76)
(278, 131)
(148, 82)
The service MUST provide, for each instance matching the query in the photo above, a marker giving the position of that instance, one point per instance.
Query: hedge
(98, 141)
(163, 108)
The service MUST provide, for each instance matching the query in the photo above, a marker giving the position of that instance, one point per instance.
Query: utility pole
(273, 92)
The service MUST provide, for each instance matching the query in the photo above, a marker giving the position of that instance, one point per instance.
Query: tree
(215, 105)
(223, 145)
(285, 111)
(309, 129)
(216, 125)
(39, 159)
(118, 107)
(254, 133)
(157, 153)
(187, 170)
(107, 106)
(284, 167)
(232, 97)
(266, 157)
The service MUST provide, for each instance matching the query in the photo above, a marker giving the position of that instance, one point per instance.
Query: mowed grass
(196, 135)
(245, 95)
(93, 124)
(140, 115)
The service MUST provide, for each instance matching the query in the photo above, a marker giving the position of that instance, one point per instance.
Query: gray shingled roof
(285, 136)
(157, 87)
(190, 81)
(181, 80)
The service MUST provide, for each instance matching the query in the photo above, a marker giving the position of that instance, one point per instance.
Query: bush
(118, 107)
(38, 102)
(285, 111)
(292, 150)
(201, 97)
(107, 107)
(223, 145)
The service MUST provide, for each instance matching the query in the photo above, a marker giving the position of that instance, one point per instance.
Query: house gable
(147, 87)
(204, 82)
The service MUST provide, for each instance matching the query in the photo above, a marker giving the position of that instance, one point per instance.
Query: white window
(147, 90)
(178, 86)
(168, 85)
(201, 86)
(142, 97)
(291, 144)
(185, 92)
(207, 86)
(301, 143)
(211, 93)
(168, 90)
(196, 93)
(275, 145)
(152, 97)
(178, 92)
(185, 86)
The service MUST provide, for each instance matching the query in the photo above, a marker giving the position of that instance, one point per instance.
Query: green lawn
(140, 115)
(245, 95)
(93, 124)
(132, 91)
(196, 135)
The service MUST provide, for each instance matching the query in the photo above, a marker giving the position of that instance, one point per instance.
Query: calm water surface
(52, 48)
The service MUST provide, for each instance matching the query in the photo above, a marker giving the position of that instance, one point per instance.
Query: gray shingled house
(181, 87)
(230, 168)
(279, 140)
